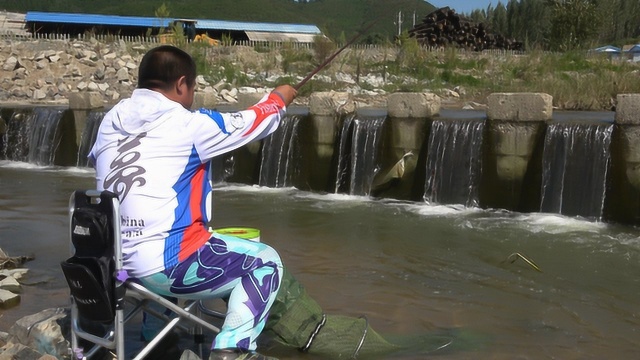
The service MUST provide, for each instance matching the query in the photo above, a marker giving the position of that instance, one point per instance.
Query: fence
(154, 40)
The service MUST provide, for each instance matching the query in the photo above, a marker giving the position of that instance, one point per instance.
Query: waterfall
(454, 162)
(222, 168)
(357, 154)
(576, 161)
(88, 136)
(281, 154)
(33, 136)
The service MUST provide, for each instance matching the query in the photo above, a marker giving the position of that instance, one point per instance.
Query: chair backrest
(90, 271)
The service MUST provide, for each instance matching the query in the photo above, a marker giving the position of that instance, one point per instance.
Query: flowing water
(413, 269)
(454, 162)
(280, 154)
(33, 136)
(357, 153)
(576, 162)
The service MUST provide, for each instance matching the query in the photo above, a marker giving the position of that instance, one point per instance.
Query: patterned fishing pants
(247, 272)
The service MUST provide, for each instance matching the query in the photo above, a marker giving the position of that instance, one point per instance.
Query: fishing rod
(330, 58)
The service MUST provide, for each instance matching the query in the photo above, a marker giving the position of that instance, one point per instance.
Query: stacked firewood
(444, 28)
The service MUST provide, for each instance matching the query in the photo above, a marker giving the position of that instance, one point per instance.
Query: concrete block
(628, 109)
(246, 100)
(328, 102)
(204, 100)
(511, 168)
(413, 105)
(514, 138)
(85, 100)
(519, 106)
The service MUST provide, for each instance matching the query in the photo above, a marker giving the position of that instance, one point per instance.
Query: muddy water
(413, 270)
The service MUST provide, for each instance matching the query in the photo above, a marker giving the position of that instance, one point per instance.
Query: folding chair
(103, 300)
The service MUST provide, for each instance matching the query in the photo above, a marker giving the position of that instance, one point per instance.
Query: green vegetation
(334, 17)
(562, 25)
(575, 79)
(556, 25)
(556, 33)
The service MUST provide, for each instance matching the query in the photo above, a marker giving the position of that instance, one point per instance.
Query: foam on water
(80, 171)
(557, 224)
(20, 165)
(432, 210)
(229, 187)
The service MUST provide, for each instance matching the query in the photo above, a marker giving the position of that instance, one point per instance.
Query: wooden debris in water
(12, 262)
(515, 256)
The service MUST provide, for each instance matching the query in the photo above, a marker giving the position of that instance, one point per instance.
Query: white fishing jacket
(155, 155)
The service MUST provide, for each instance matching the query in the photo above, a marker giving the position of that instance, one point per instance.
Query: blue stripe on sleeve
(215, 116)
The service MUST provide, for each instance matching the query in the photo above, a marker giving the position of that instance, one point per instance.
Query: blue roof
(634, 49)
(94, 19)
(116, 20)
(608, 48)
(255, 26)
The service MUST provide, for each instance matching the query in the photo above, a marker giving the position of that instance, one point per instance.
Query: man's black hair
(163, 65)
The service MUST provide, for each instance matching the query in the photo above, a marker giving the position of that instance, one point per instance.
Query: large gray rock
(18, 352)
(42, 333)
(10, 64)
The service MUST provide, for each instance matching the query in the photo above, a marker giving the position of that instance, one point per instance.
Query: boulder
(42, 332)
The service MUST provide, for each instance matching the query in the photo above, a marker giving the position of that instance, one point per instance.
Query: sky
(464, 6)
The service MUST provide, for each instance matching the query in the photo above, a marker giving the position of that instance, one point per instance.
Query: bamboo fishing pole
(330, 58)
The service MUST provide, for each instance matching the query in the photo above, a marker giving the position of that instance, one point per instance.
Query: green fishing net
(298, 321)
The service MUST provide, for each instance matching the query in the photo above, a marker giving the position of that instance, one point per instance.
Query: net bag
(298, 321)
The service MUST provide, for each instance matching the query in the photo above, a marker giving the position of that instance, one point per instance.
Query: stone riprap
(49, 71)
(11, 272)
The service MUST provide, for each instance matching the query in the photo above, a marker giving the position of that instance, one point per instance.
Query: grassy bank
(576, 80)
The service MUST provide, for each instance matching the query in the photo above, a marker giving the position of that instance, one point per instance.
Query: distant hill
(335, 18)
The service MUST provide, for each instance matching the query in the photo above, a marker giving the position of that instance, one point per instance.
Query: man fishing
(156, 155)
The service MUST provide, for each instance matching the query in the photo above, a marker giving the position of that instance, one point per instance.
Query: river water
(412, 269)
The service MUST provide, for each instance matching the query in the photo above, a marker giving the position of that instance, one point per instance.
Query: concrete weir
(624, 196)
(516, 128)
(512, 145)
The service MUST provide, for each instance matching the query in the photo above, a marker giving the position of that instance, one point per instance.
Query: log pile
(445, 28)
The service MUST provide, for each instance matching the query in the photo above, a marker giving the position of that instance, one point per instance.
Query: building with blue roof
(632, 52)
(74, 24)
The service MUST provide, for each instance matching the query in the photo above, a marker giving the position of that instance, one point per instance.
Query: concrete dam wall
(518, 155)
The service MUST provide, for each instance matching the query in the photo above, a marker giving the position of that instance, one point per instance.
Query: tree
(574, 23)
(162, 11)
(621, 20)
(499, 20)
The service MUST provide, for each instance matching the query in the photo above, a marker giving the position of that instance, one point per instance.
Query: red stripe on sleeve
(271, 106)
